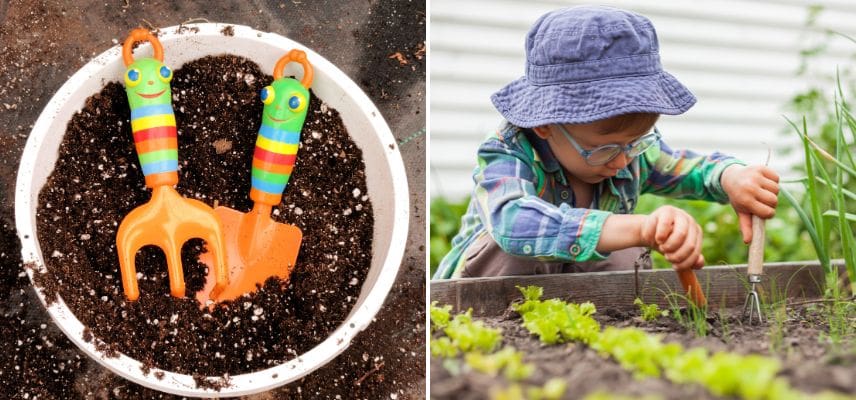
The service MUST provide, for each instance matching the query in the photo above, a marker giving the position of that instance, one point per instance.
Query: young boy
(556, 186)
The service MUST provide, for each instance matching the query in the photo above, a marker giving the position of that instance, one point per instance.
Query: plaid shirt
(523, 200)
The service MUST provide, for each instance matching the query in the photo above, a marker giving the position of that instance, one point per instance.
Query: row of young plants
(721, 373)
(478, 344)
(554, 321)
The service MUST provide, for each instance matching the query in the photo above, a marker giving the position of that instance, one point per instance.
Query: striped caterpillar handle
(147, 84)
(286, 102)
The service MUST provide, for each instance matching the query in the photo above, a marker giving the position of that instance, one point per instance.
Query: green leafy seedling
(471, 335)
(650, 312)
(443, 347)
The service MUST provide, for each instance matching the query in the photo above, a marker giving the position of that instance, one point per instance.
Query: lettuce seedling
(650, 312)
(471, 335)
(443, 347)
(440, 316)
(555, 321)
(508, 360)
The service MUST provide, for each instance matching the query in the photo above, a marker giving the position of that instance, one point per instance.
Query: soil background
(378, 43)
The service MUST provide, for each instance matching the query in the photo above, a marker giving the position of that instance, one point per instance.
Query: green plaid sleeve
(684, 174)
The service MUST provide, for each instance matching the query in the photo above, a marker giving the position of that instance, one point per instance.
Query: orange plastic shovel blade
(257, 248)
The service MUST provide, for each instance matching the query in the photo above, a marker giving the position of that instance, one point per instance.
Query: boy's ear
(543, 132)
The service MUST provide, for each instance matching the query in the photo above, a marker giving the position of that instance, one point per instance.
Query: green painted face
(286, 102)
(147, 83)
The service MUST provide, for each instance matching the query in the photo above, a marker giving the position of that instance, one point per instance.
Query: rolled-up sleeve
(522, 224)
(684, 174)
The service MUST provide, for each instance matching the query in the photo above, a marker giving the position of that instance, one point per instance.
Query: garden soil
(43, 42)
(809, 362)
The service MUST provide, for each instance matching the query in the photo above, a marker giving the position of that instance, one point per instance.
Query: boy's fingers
(699, 262)
(769, 199)
(676, 238)
(700, 258)
(770, 186)
(665, 222)
(685, 249)
(764, 211)
(770, 173)
(745, 226)
(689, 260)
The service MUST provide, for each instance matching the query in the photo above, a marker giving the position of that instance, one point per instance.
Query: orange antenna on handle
(297, 56)
(140, 35)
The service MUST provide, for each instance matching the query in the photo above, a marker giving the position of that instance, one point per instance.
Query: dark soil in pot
(97, 181)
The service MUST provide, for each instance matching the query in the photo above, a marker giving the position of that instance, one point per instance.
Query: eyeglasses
(601, 155)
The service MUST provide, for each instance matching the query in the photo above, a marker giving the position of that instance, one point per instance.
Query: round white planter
(386, 182)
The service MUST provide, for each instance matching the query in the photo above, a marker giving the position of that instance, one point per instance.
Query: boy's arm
(522, 224)
(684, 174)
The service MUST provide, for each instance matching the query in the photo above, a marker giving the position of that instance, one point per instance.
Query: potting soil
(97, 181)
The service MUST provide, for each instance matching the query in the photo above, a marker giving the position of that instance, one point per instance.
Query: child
(556, 186)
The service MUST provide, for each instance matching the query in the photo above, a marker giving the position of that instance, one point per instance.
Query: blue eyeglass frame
(626, 149)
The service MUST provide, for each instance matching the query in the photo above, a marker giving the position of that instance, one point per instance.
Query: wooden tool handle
(756, 247)
(691, 287)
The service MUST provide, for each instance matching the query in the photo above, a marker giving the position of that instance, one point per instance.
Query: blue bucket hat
(589, 63)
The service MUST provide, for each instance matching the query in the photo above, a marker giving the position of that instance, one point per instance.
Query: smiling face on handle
(285, 104)
(147, 83)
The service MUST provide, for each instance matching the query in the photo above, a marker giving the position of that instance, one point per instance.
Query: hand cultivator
(167, 220)
(752, 306)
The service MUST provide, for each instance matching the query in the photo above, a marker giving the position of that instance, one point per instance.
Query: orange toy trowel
(257, 247)
(692, 289)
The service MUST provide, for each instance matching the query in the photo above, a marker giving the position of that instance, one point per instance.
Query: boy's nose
(619, 162)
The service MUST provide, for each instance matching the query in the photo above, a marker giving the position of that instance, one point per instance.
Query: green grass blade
(814, 201)
(810, 227)
(843, 226)
(843, 191)
(844, 110)
(835, 214)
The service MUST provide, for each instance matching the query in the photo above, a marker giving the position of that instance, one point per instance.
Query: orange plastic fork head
(167, 221)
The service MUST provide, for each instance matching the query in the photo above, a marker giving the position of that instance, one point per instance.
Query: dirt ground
(378, 43)
(810, 362)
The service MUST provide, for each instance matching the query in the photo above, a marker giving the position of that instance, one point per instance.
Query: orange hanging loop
(297, 56)
(141, 35)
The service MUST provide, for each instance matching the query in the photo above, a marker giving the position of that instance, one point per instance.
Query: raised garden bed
(812, 340)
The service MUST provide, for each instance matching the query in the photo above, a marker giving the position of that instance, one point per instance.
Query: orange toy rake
(168, 219)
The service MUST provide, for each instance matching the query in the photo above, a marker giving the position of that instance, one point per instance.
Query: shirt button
(575, 249)
(565, 195)
(527, 249)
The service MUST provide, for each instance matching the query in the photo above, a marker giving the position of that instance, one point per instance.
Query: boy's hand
(674, 233)
(752, 190)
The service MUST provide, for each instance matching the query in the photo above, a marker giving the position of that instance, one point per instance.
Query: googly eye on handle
(164, 73)
(267, 95)
(133, 77)
(297, 102)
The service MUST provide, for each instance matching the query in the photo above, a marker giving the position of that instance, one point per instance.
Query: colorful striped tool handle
(286, 102)
(147, 84)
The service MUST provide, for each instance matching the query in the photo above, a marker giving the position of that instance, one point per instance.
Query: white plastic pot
(386, 182)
